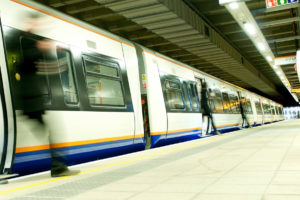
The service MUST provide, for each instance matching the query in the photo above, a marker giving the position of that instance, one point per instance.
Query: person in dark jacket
(33, 89)
(244, 116)
(206, 109)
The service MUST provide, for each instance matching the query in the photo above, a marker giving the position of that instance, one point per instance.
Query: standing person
(244, 116)
(206, 109)
(33, 89)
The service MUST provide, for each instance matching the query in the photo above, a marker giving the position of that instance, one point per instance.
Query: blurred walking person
(244, 116)
(206, 111)
(38, 61)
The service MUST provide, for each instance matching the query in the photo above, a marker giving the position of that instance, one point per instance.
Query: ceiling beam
(91, 16)
(285, 39)
(273, 9)
(60, 3)
(279, 22)
(287, 52)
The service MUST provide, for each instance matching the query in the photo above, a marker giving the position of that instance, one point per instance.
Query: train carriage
(99, 87)
(109, 96)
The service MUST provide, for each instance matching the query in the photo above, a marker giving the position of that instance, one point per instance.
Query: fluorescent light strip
(261, 46)
(234, 5)
(249, 28)
(244, 18)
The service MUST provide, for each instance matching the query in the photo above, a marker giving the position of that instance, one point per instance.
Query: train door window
(234, 103)
(218, 101)
(237, 103)
(32, 55)
(187, 97)
(198, 88)
(270, 109)
(211, 96)
(266, 109)
(258, 108)
(273, 110)
(281, 113)
(249, 107)
(226, 103)
(104, 83)
(244, 104)
(194, 97)
(174, 95)
(67, 76)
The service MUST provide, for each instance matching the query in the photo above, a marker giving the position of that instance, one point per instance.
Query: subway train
(111, 96)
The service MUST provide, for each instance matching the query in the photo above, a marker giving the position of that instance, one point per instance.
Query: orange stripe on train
(77, 143)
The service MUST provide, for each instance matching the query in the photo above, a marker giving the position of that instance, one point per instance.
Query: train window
(270, 109)
(226, 103)
(258, 108)
(277, 110)
(173, 85)
(30, 52)
(194, 98)
(67, 76)
(280, 111)
(266, 109)
(102, 69)
(187, 97)
(218, 102)
(197, 97)
(103, 84)
(174, 95)
(273, 110)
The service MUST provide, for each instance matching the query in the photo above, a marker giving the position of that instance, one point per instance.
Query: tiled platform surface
(261, 163)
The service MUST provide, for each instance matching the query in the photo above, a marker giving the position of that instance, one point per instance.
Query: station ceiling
(202, 34)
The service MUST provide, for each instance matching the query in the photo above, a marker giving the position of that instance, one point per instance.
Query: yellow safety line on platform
(208, 140)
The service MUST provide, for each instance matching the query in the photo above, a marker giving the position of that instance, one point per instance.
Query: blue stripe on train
(165, 139)
(171, 138)
(37, 161)
(226, 129)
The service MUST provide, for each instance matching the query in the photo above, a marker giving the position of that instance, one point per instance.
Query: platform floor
(261, 163)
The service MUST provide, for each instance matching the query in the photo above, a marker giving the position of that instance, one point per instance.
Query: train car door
(7, 122)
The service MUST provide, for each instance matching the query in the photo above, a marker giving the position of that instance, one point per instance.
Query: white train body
(87, 121)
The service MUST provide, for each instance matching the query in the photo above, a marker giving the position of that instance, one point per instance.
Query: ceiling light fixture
(261, 46)
(234, 5)
(249, 28)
